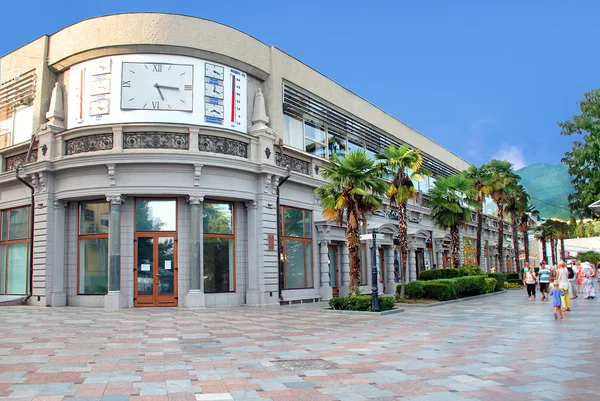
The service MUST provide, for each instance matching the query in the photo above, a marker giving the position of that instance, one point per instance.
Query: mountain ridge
(548, 186)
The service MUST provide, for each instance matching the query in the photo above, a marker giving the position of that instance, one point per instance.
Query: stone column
(58, 297)
(412, 263)
(113, 299)
(440, 260)
(253, 291)
(390, 283)
(345, 282)
(326, 291)
(195, 296)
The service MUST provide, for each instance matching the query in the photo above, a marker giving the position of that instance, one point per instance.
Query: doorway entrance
(333, 269)
(155, 269)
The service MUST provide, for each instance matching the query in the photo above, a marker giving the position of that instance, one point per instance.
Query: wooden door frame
(155, 235)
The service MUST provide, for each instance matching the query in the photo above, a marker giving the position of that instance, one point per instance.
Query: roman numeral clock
(157, 86)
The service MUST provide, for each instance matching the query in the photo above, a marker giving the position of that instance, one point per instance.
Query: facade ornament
(156, 140)
(316, 169)
(226, 146)
(43, 180)
(251, 204)
(112, 174)
(268, 152)
(259, 114)
(35, 181)
(60, 203)
(115, 199)
(195, 199)
(197, 174)
(56, 111)
(90, 143)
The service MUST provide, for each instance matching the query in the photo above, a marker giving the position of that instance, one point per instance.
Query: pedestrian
(544, 275)
(588, 286)
(529, 281)
(556, 295)
(579, 277)
(563, 284)
(572, 280)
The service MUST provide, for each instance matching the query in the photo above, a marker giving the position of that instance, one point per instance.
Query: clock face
(215, 91)
(100, 87)
(214, 71)
(214, 110)
(157, 86)
(99, 107)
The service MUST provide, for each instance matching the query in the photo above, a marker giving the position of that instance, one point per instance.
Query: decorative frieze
(90, 143)
(297, 165)
(13, 161)
(226, 146)
(155, 140)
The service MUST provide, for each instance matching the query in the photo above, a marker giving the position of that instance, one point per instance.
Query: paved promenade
(496, 348)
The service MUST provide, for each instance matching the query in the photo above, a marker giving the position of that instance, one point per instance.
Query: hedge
(514, 281)
(414, 289)
(441, 274)
(436, 290)
(490, 285)
(499, 280)
(360, 303)
(512, 276)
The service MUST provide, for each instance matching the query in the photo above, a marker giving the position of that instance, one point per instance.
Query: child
(555, 293)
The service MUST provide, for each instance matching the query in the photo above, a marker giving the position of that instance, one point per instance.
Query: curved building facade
(159, 142)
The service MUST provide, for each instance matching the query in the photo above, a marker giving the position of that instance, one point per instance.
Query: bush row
(360, 303)
(463, 271)
(445, 289)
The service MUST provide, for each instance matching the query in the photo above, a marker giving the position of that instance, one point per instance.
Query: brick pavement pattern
(496, 348)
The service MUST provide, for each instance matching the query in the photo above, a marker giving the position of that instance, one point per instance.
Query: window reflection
(156, 215)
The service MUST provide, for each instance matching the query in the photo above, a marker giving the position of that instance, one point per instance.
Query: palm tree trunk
(526, 243)
(500, 205)
(455, 239)
(515, 240)
(544, 251)
(479, 234)
(552, 250)
(562, 248)
(353, 239)
(403, 239)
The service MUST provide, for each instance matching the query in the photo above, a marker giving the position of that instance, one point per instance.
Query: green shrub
(436, 290)
(438, 274)
(414, 289)
(512, 285)
(360, 303)
(467, 270)
(490, 285)
(454, 284)
(515, 281)
(499, 280)
(512, 276)
(471, 285)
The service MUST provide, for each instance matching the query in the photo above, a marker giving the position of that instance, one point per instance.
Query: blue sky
(484, 79)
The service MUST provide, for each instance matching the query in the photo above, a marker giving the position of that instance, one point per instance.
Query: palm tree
(502, 178)
(541, 234)
(515, 203)
(351, 194)
(397, 162)
(452, 199)
(562, 232)
(481, 182)
(526, 221)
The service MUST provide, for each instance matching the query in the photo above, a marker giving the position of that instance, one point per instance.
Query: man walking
(544, 275)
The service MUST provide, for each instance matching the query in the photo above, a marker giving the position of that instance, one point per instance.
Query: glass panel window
(218, 265)
(93, 218)
(292, 129)
(315, 148)
(354, 145)
(336, 144)
(314, 130)
(14, 251)
(219, 247)
(297, 248)
(93, 266)
(218, 218)
(156, 215)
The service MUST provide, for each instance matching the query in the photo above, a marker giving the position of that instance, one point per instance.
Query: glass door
(155, 271)
(333, 269)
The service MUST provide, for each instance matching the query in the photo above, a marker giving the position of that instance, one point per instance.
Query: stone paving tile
(487, 349)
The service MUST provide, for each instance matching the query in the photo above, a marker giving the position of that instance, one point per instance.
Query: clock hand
(167, 87)
(159, 92)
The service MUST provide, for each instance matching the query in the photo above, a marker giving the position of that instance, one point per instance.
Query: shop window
(93, 248)
(155, 215)
(314, 138)
(14, 251)
(293, 134)
(296, 240)
(218, 247)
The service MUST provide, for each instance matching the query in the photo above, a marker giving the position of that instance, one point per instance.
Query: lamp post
(374, 292)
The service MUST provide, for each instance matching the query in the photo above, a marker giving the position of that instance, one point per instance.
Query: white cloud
(512, 154)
